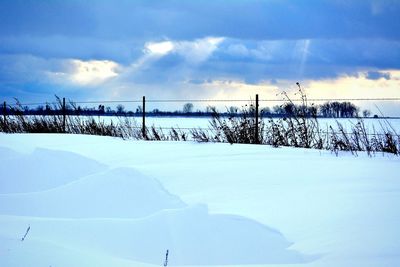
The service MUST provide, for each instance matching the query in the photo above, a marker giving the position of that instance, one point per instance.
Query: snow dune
(117, 216)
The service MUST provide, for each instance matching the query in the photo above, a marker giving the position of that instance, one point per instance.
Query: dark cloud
(68, 47)
(46, 18)
(117, 29)
(40, 92)
(376, 75)
(254, 19)
(337, 52)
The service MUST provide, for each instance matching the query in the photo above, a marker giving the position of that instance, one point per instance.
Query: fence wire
(52, 103)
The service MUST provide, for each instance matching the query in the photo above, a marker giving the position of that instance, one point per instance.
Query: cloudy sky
(169, 49)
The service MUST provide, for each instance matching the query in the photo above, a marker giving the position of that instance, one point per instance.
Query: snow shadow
(115, 193)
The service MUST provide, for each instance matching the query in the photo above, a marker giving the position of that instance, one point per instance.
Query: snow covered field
(101, 201)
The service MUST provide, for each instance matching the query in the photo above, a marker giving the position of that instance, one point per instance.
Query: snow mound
(41, 170)
(192, 236)
(116, 193)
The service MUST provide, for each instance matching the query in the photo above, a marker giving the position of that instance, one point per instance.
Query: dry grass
(300, 129)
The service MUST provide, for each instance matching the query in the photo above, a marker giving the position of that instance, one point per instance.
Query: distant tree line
(325, 110)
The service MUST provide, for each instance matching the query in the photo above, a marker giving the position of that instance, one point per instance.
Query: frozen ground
(100, 201)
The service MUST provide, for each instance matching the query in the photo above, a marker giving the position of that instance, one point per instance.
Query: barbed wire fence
(60, 107)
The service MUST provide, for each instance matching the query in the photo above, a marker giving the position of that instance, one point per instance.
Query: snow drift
(120, 214)
(116, 193)
(192, 235)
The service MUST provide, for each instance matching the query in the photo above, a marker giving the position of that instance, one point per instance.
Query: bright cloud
(199, 50)
(187, 53)
(193, 51)
(160, 48)
(356, 86)
(92, 72)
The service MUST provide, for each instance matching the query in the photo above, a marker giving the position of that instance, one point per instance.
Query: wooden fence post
(5, 113)
(64, 113)
(256, 115)
(144, 118)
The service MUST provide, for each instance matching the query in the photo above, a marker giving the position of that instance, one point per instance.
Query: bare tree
(120, 109)
(366, 113)
(188, 108)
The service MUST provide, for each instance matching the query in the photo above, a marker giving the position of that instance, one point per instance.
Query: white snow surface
(101, 201)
